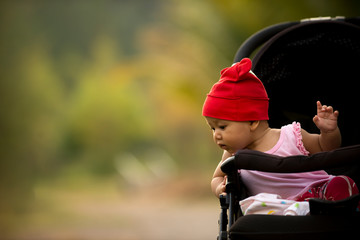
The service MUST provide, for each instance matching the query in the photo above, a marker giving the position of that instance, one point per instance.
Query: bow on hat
(237, 71)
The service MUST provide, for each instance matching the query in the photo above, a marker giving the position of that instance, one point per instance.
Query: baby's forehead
(212, 120)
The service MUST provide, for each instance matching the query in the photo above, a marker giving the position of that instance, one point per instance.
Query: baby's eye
(222, 127)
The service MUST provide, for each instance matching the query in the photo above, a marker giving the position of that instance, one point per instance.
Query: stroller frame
(340, 39)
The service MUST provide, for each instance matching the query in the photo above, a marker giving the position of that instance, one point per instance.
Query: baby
(236, 109)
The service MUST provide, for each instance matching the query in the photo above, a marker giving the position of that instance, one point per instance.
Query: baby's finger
(316, 119)
(223, 189)
(329, 109)
(318, 105)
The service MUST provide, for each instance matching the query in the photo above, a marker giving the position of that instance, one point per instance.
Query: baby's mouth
(223, 146)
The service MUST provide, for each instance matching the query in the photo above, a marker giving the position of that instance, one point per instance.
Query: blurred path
(173, 211)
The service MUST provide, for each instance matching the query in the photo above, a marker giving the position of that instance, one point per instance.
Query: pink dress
(287, 185)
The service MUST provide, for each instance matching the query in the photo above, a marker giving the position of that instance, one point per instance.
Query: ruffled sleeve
(298, 136)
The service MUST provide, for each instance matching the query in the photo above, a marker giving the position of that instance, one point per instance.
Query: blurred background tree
(83, 83)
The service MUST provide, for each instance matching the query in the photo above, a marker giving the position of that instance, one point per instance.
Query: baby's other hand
(326, 118)
(221, 188)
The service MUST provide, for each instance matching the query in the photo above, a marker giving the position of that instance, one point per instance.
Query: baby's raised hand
(326, 118)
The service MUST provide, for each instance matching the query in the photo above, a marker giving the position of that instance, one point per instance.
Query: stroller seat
(300, 63)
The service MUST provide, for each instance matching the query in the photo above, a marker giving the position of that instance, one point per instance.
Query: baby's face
(230, 135)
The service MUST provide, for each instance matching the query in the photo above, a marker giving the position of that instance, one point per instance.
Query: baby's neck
(265, 138)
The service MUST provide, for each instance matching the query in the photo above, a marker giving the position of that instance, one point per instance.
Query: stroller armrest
(255, 160)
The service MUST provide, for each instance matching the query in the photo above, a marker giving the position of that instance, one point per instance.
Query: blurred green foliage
(82, 82)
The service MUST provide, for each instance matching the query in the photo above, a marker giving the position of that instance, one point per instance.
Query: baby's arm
(218, 182)
(329, 137)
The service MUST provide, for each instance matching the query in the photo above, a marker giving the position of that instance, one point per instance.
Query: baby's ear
(254, 125)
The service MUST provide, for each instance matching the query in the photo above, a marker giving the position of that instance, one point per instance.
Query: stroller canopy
(310, 61)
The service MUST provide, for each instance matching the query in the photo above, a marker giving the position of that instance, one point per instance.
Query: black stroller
(318, 59)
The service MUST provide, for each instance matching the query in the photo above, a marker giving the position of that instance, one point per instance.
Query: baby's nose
(217, 135)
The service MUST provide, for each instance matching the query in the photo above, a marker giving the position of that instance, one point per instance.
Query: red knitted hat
(238, 96)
